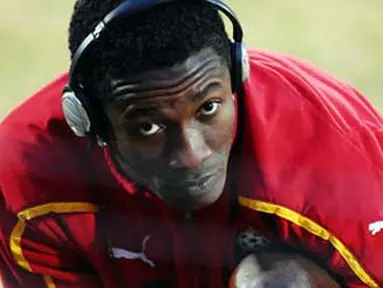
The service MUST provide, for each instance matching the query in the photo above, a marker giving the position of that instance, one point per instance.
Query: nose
(191, 150)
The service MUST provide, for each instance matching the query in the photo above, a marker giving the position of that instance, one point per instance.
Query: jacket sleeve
(317, 147)
(49, 236)
(48, 231)
(53, 246)
(307, 239)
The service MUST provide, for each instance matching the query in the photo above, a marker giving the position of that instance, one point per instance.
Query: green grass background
(344, 37)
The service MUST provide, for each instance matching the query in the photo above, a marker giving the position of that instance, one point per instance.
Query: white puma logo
(119, 253)
(375, 227)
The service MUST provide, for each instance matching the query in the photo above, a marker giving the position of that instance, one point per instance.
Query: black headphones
(81, 112)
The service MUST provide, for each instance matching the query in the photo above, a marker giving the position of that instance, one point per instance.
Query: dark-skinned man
(193, 154)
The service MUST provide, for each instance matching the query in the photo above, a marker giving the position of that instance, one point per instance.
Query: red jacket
(311, 174)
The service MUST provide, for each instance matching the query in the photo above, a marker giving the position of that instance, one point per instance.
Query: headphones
(85, 117)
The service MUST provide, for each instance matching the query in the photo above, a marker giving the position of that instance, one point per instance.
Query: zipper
(193, 239)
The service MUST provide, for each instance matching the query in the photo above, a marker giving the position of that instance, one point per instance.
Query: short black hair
(156, 38)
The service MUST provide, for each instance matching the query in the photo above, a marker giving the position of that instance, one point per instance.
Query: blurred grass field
(344, 37)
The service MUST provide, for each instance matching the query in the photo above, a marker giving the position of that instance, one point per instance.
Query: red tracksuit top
(310, 174)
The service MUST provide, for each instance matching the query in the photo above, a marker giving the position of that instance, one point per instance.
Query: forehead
(196, 71)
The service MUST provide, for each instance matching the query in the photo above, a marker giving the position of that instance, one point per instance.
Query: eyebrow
(153, 107)
(129, 91)
(210, 87)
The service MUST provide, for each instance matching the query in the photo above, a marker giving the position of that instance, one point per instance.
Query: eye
(210, 108)
(149, 129)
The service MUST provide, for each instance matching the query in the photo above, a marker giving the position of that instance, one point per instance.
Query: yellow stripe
(49, 282)
(77, 207)
(15, 245)
(38, 211)
(315, 229)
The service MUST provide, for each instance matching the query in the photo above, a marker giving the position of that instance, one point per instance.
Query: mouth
(203, 183)
(198, 186)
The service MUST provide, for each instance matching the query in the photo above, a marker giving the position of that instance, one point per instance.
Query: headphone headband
(83, 114)
(129, 7)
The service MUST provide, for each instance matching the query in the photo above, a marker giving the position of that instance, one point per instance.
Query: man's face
(173, 129)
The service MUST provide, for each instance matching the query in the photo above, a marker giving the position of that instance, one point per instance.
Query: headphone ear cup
(76, 112)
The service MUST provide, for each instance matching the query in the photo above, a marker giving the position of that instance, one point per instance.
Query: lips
(196, 182)
(195, 187)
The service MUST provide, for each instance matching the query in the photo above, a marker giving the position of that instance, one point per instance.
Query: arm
(48, 232)
(53, 250)
(317, 154)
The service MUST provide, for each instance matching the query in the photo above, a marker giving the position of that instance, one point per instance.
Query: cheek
(140, 151)
(134, 150)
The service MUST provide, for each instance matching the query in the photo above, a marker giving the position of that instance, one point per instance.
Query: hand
(249, 274)
(279, 271)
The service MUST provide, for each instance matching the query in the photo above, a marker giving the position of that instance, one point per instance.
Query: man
(187, 179)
